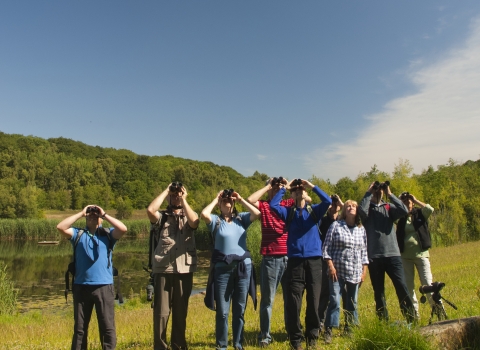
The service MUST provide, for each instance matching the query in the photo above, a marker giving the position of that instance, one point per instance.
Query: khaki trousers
(171, 294)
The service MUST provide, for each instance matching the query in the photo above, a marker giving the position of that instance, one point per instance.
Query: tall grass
(8, 294)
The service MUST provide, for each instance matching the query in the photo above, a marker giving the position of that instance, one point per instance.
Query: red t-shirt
(274, 239)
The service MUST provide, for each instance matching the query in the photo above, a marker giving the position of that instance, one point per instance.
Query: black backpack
(71, 267)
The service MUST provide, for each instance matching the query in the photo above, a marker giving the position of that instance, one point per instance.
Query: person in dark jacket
(414, 240)
(329, 218)
(304, 251)
(383, 252)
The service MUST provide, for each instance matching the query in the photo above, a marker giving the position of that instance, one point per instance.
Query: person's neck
(228, 217)
(376, 198)
(300, 203)
(92, 228)
(350, 221)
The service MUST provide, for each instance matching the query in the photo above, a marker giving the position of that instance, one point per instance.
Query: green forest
(57, 174)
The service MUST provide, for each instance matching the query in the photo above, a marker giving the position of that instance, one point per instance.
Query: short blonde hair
(343, 213)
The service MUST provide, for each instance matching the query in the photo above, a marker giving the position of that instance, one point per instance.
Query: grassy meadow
(457, 266)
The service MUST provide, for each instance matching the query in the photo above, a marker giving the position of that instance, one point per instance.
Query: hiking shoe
(328, 335)
(312, 344)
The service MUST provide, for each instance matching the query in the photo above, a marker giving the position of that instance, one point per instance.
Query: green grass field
(457, 266)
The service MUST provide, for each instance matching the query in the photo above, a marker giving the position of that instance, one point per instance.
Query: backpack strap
(214, 232)
(312, 213)
(291, 215)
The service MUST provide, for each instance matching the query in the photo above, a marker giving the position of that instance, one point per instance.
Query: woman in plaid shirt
(345, 251)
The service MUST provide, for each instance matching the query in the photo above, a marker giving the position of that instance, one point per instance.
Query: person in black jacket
(414, 240)
(330, 217)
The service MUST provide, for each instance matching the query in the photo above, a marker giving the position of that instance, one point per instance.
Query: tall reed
(8, 293)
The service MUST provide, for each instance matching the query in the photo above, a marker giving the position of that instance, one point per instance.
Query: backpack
(71, 267)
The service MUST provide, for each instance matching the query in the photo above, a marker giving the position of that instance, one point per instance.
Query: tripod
(438, 308)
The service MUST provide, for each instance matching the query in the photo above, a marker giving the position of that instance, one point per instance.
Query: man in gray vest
(174, 259)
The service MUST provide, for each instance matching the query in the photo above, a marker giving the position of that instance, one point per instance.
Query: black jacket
(421, 227)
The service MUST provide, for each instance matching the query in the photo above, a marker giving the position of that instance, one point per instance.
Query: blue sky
(288, 88)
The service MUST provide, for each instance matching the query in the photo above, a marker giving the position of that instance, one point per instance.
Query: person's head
(93, 216)
(227, 202)
(175, 193)
(297, 190)
(407, 199)
(350, 212)
(275, 182)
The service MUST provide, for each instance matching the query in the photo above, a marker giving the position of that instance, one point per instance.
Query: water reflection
(39, 271)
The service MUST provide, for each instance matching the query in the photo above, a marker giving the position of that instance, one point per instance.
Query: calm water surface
(38, 271)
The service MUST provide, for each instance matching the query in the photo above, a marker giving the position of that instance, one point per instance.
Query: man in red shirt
(274, 251)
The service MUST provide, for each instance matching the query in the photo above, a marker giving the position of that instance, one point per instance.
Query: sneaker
(328, 335)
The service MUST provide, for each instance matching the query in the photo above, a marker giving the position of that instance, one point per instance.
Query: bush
(8, 294)
(381, 335)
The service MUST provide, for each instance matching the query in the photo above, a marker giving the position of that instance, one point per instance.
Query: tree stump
(463, 333)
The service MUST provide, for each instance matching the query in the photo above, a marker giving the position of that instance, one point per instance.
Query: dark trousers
(171, 292)
(393, 267)
(303, 274)
(85, 297)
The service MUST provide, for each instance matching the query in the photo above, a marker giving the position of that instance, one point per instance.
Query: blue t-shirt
(231, 238)
(91, 257)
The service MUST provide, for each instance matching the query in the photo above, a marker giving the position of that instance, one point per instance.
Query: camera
(93, 210)
(381, 185)
(276, 181)
(435, 287)
(227, 193)
(334, 198)
(176, 187)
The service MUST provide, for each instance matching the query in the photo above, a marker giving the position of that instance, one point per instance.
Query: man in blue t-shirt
(93, 284)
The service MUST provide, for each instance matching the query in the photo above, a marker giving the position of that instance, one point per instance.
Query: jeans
(272, 271)
(393, 267)
(425, 274)
(85, 297)
(337, 289)
(230, 288)
(303, 274)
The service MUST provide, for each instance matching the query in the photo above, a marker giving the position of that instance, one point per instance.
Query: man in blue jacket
(304, 251)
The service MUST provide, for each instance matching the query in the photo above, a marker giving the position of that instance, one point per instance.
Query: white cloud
(440, 121)
(261, 157)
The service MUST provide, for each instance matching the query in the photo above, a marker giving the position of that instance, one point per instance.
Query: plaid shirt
(347, 248)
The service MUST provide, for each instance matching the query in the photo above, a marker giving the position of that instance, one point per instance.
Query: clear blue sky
(290, 88)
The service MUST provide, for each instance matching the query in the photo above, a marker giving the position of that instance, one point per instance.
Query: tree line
(57, 174)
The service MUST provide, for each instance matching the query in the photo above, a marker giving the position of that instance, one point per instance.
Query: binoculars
(176, 187)
(227, 193)
(276, 181)
(406, 195)
(334, 198)
(381, 185)
(93, 210)
(296, 183)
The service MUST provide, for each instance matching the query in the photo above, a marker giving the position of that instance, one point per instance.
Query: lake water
(38, 271)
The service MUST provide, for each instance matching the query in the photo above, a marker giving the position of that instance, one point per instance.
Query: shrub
(8, 294)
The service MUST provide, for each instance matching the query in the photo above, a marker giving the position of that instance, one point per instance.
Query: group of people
(321, 250)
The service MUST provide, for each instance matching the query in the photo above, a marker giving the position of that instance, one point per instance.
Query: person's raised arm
(205, 214)
(65, 226)
(398, 209)
(192, 217)
(152, 210)
(281, 211)
(364, 205)
(321, 208)
(254, 212)
(255, 197)
(427, 209)
(119, 228)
